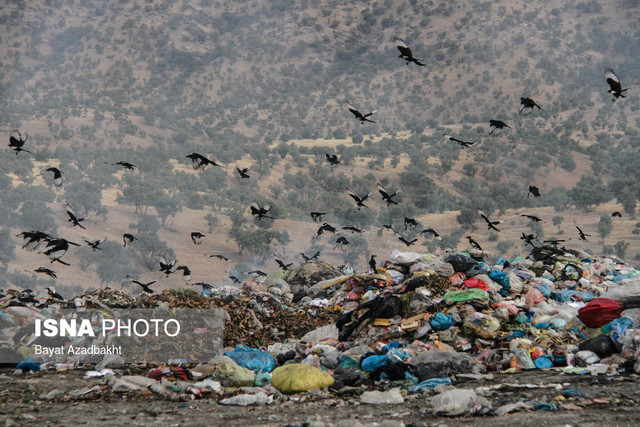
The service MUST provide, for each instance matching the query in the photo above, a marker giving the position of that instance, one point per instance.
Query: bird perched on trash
(615, 86)
(527, 105)
(342, 241)
(95, 244)
(333, 159)
(221, 257)
(244, 172)
(616, 214)
(491, 225)
(473, 243)
(409, 222)
(199, 161)
(73, 219)
(582, 234)
(128, 238)
(16, 143)
(53, 294)
(463, 144)
(260, 212)
(46, 271)
(497, 125)
(407, 242)
(362, 117)
(532, 217)
(56, 248)
(372, 263)
(325, 227)
(282, 264)
(145, 286)
(405, 52)
(310, 258)
(431, 231)
(388, 198)
(57, 175)
(317, 216)
(533, 190)
(186, 272)
(196, 237)
(359, 199)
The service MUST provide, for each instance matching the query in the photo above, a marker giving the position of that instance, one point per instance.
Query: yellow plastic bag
(298, 377)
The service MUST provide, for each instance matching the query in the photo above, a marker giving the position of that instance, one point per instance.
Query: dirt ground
(605, 400)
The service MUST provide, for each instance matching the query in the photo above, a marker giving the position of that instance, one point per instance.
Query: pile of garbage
(420, 323)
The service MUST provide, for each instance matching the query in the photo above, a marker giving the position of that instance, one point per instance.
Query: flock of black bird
(56, 247)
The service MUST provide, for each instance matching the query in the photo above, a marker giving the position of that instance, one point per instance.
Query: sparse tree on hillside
(604, 226)
(589, 192)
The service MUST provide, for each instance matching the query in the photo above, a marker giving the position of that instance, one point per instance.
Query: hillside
(266, 83)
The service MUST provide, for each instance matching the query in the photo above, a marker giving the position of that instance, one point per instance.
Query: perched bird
(359, 199)
(57, 175)
(317, 216)
(186, 272)
(33, 239)
(497, 125)
(128, 238)
(282, 265)
(388, 198)
(351, 228)
(16, 143)
(532, 217)
(73, 219)
(53, 294)
(166, 266)
(582, 234)
(491, 225)
(199, 161)
(260, 212)
(203, 285)
(95, 244)
(372, 263)
(432, 232)
(46, 271)
(533, 190)
(463, 144)
(196, 237)
(409, 222)
(615, 86)
(407, 242)
(473, 243)
(616, 214)
(527, 105)
(362, 117)
(310, 258)
(220, 257)
(244, 172)
(56, 248)
(325, 227)
(342, 241)
(145, 286)
(333, 159)
(405, 52)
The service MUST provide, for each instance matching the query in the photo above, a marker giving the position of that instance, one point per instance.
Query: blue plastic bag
(28, 364)
(441, 321)
(501, 278)
(373, 363)
(254, 359)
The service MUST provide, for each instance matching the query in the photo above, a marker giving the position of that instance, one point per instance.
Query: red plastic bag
(475, 283)
(599, 312)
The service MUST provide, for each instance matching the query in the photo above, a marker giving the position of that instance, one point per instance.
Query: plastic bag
(458, 402)
(254, 359)
(297, 377)
(599, 312)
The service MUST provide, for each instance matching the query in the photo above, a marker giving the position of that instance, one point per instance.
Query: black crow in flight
(310, 258)
(333, 159)
(432, 232)
(527, 105)
(57, 175)
(491, 225)
(359, 199)
(497, 125)
(16, 143)
(388, 198)
(196, 237)
(317, 216)
(260, 212)
(126, 237)
(362, 117)
(244, 172)
(615, 86)
(199, 161)
(463, 144)
(405, 52)
(533, 190)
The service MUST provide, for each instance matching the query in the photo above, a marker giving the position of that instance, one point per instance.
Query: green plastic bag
(453, 297)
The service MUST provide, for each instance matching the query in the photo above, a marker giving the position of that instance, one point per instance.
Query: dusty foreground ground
(605, 401)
